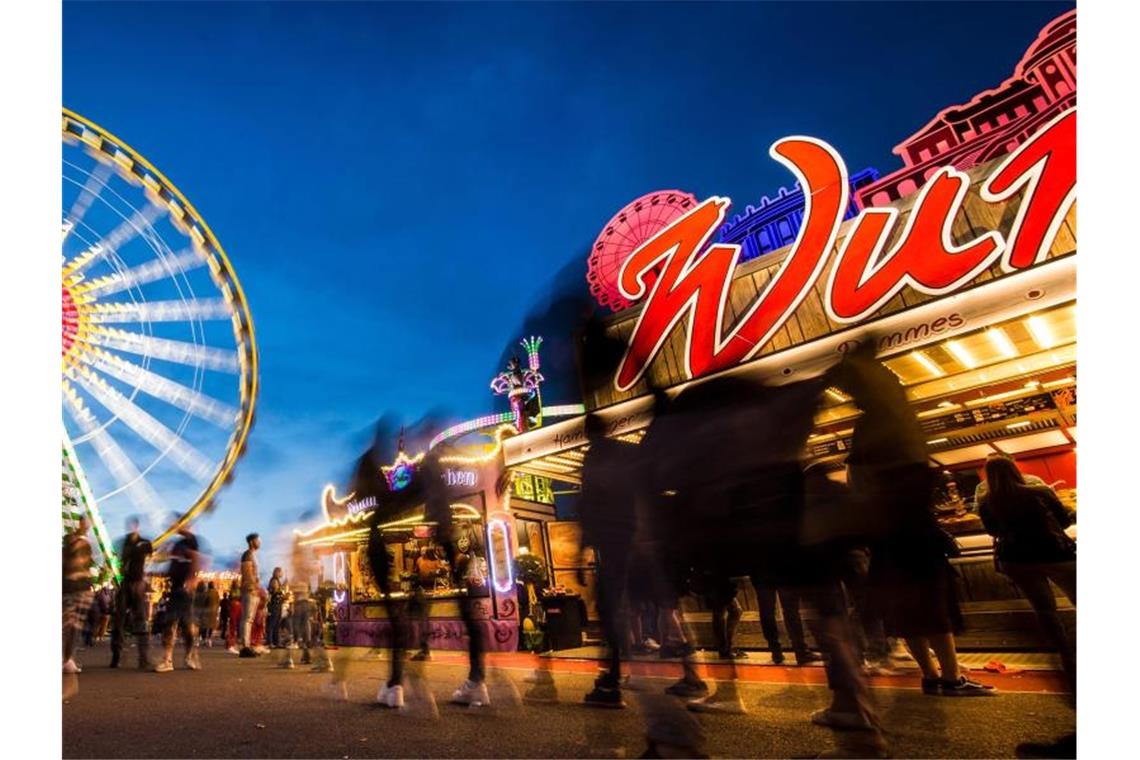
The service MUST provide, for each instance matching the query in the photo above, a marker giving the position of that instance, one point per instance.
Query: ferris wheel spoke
(190, 354)
(160, 311)
(182, 454)
(122, 470)
(178, 395)
(94, 185)
(156, 269)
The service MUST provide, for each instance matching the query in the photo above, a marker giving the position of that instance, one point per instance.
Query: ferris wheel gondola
(160, 365)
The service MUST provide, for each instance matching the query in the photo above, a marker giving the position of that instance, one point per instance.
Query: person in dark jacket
(1031, 547)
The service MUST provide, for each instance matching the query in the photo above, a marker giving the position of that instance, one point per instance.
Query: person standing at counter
(1028, 524)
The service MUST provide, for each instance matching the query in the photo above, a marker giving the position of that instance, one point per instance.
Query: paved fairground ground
(252, 708)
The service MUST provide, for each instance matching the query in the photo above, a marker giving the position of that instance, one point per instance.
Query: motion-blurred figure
(892, 484)
(185, 561)
(131, 603)
(1031, 547)
(77, 594)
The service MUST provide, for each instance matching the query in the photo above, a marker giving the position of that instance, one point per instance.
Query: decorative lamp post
(521, 386)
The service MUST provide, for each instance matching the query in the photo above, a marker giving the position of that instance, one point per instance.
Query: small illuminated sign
(461, 477)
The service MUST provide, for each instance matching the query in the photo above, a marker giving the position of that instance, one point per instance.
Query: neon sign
(499, 552)
(682, 278)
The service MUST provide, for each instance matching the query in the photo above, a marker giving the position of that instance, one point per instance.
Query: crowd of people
(714, 493)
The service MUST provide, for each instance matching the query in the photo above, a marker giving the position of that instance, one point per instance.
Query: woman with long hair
(1031, 547)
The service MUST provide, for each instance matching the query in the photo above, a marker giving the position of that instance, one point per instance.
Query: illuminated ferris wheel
(159, 358)
(630, 227)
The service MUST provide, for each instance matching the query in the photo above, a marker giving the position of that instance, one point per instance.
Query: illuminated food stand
(485, 543)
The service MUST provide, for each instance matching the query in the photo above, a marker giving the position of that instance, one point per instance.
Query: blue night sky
(397, 184)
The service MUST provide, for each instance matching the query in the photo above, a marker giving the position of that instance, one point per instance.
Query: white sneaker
(192, 662)
(164, 667)
(337, 690)
(287, 663)
(391, 696)
(71, 667)
(720, 706)
(471, 694)
(233, 650)
(262, 650)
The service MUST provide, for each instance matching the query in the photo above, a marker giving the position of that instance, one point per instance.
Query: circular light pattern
(630, 227)
(159, 366)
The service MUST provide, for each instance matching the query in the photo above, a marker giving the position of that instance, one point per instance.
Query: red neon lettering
(924, 258)
(695, 286)
(1047, 165)
(700, 289)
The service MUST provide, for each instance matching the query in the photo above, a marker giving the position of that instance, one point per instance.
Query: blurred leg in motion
(1033, 581)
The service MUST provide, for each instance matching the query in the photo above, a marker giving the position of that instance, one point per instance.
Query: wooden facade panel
(1066, 240)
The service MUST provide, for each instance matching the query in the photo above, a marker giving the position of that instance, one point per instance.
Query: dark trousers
(790, 603)
(130, 611)
(475, 647)
(1033, 580)
(273, 625)
(613, 569)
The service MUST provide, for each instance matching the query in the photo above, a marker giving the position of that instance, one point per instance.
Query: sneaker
(964, 687)
(233, 650)
(287, 664)
(247, 652)
(337, 690)
(391, 696)
(684, 688)
(164, 667)
(192, 662)
(71, 667)
(718, 706)
(262, 650)
(649, 643)
(879, 668)
(323, 667)
(841, 721)
(738, 654)
(471, 694)
(603, 696)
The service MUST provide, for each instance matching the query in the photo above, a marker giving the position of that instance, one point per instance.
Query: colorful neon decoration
(683, 278)
(521, 387)
(499, 555)
(469, 426)
(994, 122)
(399, 474)
(630, 227)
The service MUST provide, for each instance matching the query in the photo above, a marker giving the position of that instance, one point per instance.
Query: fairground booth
(961, 264)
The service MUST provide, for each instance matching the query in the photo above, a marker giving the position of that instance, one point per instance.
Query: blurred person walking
(233, 618)
(185, 561)
(891, 481)
(77, 594)
(131, 606)
(250, 599)
(1031, 547)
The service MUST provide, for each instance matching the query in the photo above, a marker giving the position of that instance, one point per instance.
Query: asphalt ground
(252, 708)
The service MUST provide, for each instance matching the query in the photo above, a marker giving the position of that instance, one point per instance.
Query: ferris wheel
(159, 358)
(630, 227)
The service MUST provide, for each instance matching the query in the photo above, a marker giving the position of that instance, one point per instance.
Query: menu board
(995, 412)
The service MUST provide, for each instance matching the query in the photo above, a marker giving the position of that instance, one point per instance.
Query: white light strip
(178, 351)
(1001, 342)
(114, 459)
(937, 441)
(1041, 332)
(962, 354)
(157, 269)
(160, 311)
(186, 457)
(1015, 425)
(185, 398)
(930, 366)
(1059, 383)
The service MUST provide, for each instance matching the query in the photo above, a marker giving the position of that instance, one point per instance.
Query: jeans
(250, 601)
(1033, 580)
(130, 604)
(273, 625)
